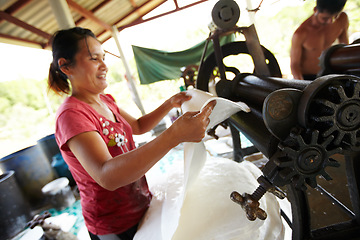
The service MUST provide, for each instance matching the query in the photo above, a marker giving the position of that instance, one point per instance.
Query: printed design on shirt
(115, 139)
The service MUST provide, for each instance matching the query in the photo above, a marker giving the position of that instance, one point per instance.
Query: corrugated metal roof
(32, 22)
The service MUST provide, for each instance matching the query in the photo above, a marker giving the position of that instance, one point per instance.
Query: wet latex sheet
(193, 200)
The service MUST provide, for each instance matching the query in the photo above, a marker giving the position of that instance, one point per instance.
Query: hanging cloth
(156, 65)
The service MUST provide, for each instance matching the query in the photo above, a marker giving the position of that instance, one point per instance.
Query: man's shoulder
(343, 15)
(304, 27)
(343, 19)
(301, 32)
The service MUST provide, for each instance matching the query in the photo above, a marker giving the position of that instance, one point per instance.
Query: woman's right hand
(191, 126)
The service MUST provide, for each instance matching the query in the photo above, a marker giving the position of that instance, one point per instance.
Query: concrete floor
(323, 211)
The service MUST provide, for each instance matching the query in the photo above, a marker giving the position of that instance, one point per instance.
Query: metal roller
(341, 58)
(225, 14)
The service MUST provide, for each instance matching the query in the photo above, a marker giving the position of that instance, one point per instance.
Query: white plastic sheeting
(193, 201)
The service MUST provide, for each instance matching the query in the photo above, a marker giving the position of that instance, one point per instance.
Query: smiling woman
(95, 136)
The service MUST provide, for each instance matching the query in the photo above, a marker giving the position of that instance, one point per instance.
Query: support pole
(250, 13)
(129, 78)
(62, 13)
(255, 50)
(64, 19)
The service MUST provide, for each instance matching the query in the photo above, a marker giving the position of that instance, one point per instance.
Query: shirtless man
(317, 33)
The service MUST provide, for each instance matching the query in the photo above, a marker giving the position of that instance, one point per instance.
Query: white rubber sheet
(195, 153)
(193, 202)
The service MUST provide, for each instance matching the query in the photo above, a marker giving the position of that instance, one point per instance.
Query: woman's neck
(97, 104)
(91, 99)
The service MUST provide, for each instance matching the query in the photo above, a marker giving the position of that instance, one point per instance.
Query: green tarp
(156, 65)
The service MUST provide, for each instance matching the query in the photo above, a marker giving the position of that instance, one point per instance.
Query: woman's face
(89, 71)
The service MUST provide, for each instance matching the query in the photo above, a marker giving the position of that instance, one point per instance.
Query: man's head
(327, 10)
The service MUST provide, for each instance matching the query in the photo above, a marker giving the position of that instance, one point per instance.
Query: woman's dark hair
(330, 6)
(65, 45)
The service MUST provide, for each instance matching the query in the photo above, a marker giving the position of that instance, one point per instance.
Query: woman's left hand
(178, 99)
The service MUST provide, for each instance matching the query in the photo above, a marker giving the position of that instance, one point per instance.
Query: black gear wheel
(335, 110)
(345, 117)
(209, 66)
(302, 159)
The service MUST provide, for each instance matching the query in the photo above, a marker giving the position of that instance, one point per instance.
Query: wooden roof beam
(140, 20)
(93, 11)
(88, 14)
(136, 9)
(133, 3)
(17, 6)
(127, 15)
(42, 45)
(176, 4)
(24, 25)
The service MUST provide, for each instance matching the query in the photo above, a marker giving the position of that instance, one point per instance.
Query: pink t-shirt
(104, 211)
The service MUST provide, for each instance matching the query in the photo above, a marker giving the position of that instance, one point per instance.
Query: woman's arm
(149, 121)
(112, 173)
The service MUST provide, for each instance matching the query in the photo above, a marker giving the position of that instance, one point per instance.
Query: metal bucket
(61, 168)
(14, 209)
(59, 193)
(32, 172)
(49, 146)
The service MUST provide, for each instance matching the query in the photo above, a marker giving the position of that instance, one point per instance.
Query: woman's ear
(63, 65)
